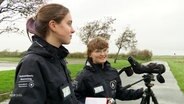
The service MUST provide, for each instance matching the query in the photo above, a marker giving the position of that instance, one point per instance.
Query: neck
(103, 66)
(100, 66)
(53, 41)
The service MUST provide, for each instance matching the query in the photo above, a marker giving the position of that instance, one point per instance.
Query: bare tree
(97, 28)
(126, 40)
(13, 10)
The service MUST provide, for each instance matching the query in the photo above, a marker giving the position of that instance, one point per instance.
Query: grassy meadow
(9, 59)
(6, 81)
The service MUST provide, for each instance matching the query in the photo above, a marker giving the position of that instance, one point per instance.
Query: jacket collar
(45, 49)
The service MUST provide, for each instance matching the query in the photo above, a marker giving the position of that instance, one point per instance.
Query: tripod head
(148, 93)
(147, 78)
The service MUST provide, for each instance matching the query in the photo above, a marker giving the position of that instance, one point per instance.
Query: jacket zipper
(102, 74)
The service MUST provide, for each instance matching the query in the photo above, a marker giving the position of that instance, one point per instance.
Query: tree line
(13, 10)
(138, 54)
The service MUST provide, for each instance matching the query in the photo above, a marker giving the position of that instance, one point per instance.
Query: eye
(97, 51)
(69, 23)
(105, 50)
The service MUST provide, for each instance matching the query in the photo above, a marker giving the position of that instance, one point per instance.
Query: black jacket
(94, 81)
(42, 76)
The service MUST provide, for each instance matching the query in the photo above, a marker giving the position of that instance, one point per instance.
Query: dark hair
(38, 25)
(96, 43)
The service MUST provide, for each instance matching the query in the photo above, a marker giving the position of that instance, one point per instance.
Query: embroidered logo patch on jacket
(113, 84)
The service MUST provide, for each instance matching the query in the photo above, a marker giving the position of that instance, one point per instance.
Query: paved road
(166, 93)
(7, 66)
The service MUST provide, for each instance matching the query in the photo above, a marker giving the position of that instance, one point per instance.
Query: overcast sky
(158, 24)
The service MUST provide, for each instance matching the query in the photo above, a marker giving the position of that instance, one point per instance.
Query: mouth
(102, 58)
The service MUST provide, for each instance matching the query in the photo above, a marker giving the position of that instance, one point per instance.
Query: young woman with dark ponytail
(42, 76)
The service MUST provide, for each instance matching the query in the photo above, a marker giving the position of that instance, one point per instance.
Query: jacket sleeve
(80, 88)
(127, 94)
(29, 84)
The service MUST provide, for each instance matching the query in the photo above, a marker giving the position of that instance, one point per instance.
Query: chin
(68, 42)
(103, 61)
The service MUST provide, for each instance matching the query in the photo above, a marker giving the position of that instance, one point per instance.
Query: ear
(52, 25)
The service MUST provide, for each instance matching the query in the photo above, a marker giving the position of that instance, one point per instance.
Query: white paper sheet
(92, 100)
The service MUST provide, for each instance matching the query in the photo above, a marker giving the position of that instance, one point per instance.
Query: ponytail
(30, 27)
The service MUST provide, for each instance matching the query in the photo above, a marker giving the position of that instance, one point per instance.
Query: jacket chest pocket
(98, 89)
(105, 87)
(65, 92)
(54, 84)
(59, 91)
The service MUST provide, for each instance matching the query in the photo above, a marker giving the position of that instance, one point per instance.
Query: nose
(72, 31)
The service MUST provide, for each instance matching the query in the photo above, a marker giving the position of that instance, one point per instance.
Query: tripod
(148, 92)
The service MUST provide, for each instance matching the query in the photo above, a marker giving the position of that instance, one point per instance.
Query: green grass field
(9, 59)
(177, 68)
(6, 81)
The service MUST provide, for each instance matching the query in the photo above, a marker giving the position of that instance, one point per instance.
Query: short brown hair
(96, 43)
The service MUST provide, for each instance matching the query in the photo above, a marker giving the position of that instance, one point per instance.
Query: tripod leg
(154, 99)
(145, 97)
(143, 101)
